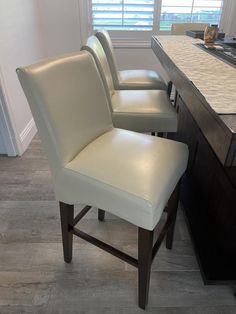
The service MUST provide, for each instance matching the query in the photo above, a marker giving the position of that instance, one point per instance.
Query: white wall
(60, 26)
(31, 30)
(230, 20)
(232, 29)
(20, 42)
(2, 146)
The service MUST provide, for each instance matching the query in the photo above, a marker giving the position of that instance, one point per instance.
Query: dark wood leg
(169, 88)
(172, 213)
(175, 100)
(234, 291)
(67, 216)
(145, 241)
(101, 214)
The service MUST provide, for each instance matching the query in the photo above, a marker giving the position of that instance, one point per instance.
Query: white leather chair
(181, 28)
(129, 174)
(135, 110)
(128, 79)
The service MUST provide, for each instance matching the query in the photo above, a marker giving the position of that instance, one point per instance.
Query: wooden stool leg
(101, 214)
(169, 88)
(67, 216)
(145, 241)
(172, 213)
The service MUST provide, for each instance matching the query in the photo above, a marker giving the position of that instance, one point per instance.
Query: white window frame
(129, 39)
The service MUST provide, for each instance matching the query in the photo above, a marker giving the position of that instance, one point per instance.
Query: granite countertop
(215, 79)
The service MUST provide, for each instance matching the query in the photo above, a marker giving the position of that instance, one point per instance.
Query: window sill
(132, 41)
(119, 44)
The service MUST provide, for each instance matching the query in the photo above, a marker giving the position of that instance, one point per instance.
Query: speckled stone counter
(207, 86)
(215, 79)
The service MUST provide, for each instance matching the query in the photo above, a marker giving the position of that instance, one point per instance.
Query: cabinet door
(187, 131)
(209, 199)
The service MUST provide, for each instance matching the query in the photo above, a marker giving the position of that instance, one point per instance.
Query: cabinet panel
(209, 199)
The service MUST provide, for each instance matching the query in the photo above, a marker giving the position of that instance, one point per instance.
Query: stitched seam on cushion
(110, 185)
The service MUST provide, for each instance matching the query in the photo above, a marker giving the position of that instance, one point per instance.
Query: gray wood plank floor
(34, 278)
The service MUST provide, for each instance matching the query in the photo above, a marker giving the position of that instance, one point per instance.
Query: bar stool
(128, 174)
(135, 110)
(128, 79)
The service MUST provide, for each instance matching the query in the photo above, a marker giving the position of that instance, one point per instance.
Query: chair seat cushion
(141, 79)
(143, 111)
(129, 174)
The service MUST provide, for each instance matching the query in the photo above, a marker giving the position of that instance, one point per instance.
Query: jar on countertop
(211, 34)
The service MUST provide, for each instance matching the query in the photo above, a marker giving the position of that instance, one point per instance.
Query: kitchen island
(206, 105)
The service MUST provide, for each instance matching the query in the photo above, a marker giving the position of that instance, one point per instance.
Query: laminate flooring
(35, 279)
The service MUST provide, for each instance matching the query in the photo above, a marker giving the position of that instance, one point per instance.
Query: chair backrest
(181, 28)
(69, 104)
(94, 46)
(106, 42)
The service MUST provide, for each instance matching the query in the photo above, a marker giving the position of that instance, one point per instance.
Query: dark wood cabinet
(208, 191)
(209, 200)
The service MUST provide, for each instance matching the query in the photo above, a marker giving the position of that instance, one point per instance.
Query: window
(153, 15)
(123, 14)
(189, 11)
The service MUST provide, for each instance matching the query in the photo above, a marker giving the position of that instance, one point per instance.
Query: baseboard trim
(27, 134)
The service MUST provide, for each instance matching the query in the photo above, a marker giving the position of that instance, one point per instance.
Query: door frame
(6, 128)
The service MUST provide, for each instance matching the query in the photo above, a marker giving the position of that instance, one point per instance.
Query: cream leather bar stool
(135, 110)
(181, 28)
(128, 79)
(128, 174)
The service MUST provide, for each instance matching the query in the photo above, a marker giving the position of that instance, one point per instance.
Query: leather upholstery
(135, 110)
(181, 28)
(106, 43)
(57, 84)
(95, 48)
(143, 111)
(141, 79)
(128, 79)
(129, 174)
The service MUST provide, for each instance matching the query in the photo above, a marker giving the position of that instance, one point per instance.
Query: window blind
(123, 14)
(190, 11)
